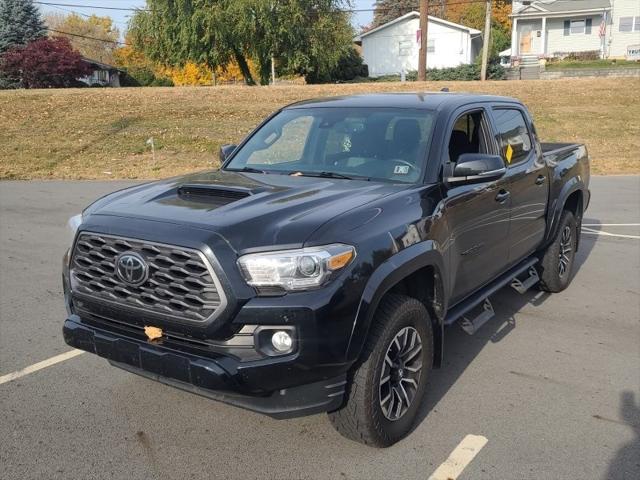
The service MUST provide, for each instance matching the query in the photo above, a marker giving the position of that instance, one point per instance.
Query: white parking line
(39, 366)
(461, 456)
(591, 231)
(611, 224)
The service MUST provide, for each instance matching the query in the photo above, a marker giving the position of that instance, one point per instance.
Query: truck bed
(556, 148)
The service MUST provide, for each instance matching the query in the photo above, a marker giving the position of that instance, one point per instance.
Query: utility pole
(485, 41)
(424, 25)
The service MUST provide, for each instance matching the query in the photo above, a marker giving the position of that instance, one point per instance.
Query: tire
(367, 415)
(556, 265)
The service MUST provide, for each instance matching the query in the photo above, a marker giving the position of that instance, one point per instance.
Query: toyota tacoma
(317, 268)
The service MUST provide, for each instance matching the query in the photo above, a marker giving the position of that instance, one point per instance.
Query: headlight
(72, 227)
(294, 270)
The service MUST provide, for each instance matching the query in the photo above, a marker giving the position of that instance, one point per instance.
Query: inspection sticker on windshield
(509, 153)
(401, 170)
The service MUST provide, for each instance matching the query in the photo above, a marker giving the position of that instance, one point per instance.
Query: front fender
(387, 275)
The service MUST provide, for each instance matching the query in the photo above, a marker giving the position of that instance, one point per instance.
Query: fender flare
(553, 219)
(387, 275)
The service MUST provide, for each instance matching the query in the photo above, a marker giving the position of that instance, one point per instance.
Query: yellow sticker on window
(508, 153)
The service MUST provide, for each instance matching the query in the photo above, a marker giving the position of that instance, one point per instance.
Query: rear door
(477, 214)
(528, 179)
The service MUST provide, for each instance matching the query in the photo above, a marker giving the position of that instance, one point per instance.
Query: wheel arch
(571, 197)
(418, 272)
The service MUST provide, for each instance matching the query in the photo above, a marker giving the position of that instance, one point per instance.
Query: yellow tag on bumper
(153, 332)
(508, 153)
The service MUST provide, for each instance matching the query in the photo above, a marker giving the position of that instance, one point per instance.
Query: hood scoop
(215, 193)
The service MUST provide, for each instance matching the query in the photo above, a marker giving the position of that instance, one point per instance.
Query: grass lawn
(102, 133)
(563, 64)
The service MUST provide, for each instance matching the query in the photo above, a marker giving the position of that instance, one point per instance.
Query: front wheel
(557, 262)
(387, 388)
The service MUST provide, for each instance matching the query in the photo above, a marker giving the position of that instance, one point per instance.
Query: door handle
(540, 180)
(502, 196)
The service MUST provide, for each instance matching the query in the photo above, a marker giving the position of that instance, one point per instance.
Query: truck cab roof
(409, 100)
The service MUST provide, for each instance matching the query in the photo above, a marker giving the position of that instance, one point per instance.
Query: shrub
(44, 63)
(584, 55)
(162, 82)
(462, 72)
(349, 67)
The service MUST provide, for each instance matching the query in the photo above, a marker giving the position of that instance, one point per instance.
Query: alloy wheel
(566, 247)
(400, 374)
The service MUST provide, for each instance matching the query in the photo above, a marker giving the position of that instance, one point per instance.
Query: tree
(472, 14)
(387, 10)
(44, 63)
(101, 28)
(20, 23)
(303, 36)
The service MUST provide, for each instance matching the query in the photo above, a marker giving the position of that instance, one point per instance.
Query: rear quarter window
(512, 134)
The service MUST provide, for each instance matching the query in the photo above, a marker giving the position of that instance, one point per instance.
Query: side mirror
(226, 151)
(477, 168)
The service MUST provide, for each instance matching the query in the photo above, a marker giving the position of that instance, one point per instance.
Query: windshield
(379, 144)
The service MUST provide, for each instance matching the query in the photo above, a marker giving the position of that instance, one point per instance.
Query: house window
(578, 27)
(404, 48)
(431, 45)
(629, 24)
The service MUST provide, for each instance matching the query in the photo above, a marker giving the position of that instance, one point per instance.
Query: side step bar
(468, 304)
(521, 286)
(472, 325)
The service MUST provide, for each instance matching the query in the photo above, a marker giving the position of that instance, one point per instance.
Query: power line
(87, 37)
(97, 7)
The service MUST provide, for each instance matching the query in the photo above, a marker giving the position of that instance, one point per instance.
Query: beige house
(548, 28)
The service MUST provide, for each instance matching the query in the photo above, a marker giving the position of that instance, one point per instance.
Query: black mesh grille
(179, 284)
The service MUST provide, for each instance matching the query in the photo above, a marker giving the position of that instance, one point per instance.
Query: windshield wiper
(325, 175)
(249, 170)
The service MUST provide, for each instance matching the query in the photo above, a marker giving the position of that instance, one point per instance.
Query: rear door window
(512, 134)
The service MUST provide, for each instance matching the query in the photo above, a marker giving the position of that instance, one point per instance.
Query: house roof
(103, 66)
(412, 15)
(562, 6)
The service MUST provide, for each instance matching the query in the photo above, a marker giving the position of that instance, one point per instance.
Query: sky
(121, 17)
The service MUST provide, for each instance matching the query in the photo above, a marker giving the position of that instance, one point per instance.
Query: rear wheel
(557, 262)
(388, 386)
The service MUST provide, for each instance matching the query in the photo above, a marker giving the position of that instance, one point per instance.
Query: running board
(521, 286)
(459, 310)
(472, 325)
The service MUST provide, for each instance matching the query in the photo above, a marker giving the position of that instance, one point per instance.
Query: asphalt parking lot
(552, 383)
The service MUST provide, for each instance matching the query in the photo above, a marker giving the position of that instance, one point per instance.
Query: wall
(381, 50)
(590, 72)
(574, 42)
(617, 40)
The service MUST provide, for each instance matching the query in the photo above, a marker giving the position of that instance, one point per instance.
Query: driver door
(477, 214)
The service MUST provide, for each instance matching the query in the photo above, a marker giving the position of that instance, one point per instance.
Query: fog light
(281, 341)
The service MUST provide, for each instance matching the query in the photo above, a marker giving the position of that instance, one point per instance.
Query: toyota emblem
(132, 269)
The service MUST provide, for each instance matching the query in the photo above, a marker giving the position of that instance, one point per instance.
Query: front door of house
(525, 41)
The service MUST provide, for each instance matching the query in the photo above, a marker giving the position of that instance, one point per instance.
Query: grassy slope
(101, 133)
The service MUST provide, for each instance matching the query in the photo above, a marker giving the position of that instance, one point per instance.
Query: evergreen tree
(387, 10)
(20, 23)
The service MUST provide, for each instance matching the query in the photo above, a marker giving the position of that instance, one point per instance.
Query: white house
(394, 46)
(102, 74)
(548, 28)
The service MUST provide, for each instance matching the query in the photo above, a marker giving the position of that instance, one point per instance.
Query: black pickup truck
(317, 269)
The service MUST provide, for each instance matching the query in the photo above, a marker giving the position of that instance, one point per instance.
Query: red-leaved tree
(44, 63)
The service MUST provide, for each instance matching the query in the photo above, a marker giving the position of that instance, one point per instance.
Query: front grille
(180, 284)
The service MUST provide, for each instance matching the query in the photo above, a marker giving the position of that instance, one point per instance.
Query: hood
(248, 210)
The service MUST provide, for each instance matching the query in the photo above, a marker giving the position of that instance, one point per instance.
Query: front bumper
(221, 378)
